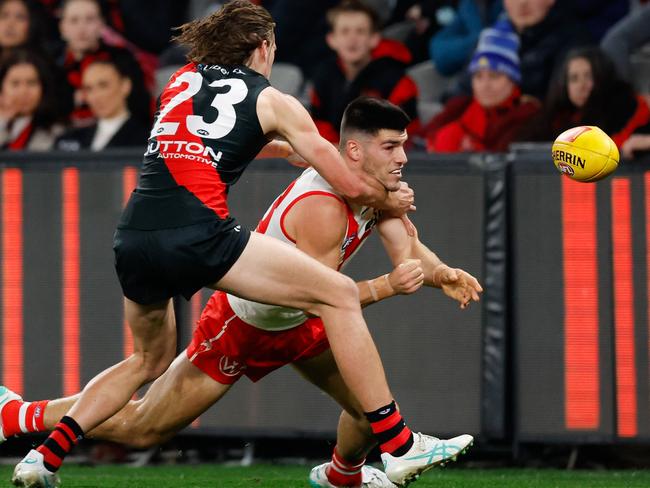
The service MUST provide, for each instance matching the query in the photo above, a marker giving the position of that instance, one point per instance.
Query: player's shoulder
(317, 217)
(315, 201)
(278, 100)
(275, 109)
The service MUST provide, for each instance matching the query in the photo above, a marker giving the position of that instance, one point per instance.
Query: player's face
(580, 81)
(384, 157)
(491, 88)
(21, 89)
(526, 13)
(352, 37)
(81, 25)
(14, 23)
(105, 90)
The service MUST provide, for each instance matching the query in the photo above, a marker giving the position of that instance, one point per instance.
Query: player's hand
(407, 277)
(458, 285)
(400, 202)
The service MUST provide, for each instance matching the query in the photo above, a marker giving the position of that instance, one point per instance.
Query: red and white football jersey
(361, 221)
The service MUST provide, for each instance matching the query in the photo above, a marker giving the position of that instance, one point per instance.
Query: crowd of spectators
(84, 74)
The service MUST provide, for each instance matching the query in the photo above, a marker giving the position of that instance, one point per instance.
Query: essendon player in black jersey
(176, 235)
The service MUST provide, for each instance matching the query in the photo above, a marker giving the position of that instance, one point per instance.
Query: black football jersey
(205, 134)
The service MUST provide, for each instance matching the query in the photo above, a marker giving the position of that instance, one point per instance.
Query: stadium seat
(640, 62)
(287, 78)
(431, 85)
(163, 75)
(399, 31)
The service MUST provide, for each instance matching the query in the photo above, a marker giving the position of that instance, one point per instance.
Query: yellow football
(585, 154)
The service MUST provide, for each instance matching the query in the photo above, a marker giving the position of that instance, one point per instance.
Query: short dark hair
(354, 6)
(369, 115)
(228, 36)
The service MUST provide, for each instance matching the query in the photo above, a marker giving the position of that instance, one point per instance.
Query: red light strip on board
(626, 401)
(129, 182)
(71, 279)
(12, 278)
(580, 259)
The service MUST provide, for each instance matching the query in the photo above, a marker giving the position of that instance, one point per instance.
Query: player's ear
(353, 150)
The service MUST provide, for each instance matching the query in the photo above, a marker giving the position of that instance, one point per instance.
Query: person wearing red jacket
(365, 65)
(488, 120)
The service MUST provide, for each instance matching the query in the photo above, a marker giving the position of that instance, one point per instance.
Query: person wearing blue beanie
(489, 119)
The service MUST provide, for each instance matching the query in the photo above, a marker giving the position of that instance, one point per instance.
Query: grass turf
(291, 476)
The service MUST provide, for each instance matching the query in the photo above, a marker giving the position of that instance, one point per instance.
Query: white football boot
(6, 396)
(426, 453)
(371, 478)
(32, 473)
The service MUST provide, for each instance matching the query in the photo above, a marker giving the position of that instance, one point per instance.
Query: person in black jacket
(365, 65)
(106, 89)
(546, 31)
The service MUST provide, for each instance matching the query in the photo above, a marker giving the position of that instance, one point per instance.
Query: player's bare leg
(154, 338)
(172, 402)
(270, 271)
(354, 438)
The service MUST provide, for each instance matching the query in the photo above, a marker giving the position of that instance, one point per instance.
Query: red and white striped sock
(20, 417)
(344, 473)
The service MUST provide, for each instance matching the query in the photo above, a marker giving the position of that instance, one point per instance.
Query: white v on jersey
(359, 225)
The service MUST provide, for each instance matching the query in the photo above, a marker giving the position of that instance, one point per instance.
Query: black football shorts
(154, 265)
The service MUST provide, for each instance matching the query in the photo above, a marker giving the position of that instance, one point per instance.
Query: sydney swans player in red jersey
(176, 236)
(237, 337)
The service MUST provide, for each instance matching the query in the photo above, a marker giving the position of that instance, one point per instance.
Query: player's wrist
(436, 275)
(380, 288)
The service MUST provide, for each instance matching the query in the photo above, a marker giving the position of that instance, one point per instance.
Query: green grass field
(290, 477)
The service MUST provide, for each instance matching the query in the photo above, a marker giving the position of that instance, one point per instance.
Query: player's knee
(151, 364)
(346, 293)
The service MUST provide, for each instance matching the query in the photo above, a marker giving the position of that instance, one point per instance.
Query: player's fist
(407, 277)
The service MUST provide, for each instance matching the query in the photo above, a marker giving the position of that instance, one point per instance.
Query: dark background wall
(559, 351)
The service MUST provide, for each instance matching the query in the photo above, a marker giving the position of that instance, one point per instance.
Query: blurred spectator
(490, 119)
(106, 89)
(451, 48)
(21, 25)
(366, 65)
(415, 21)
(546, 31)
(587, 91)
(29, 113)
(627, 36)
(81, 27)
(598, 16)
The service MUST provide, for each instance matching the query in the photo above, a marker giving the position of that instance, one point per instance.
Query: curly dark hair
(228, 36)
(49, 110)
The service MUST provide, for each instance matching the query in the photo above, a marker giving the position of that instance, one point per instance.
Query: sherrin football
(585, 154)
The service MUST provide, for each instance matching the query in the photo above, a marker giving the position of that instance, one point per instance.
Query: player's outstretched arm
(455, 283)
